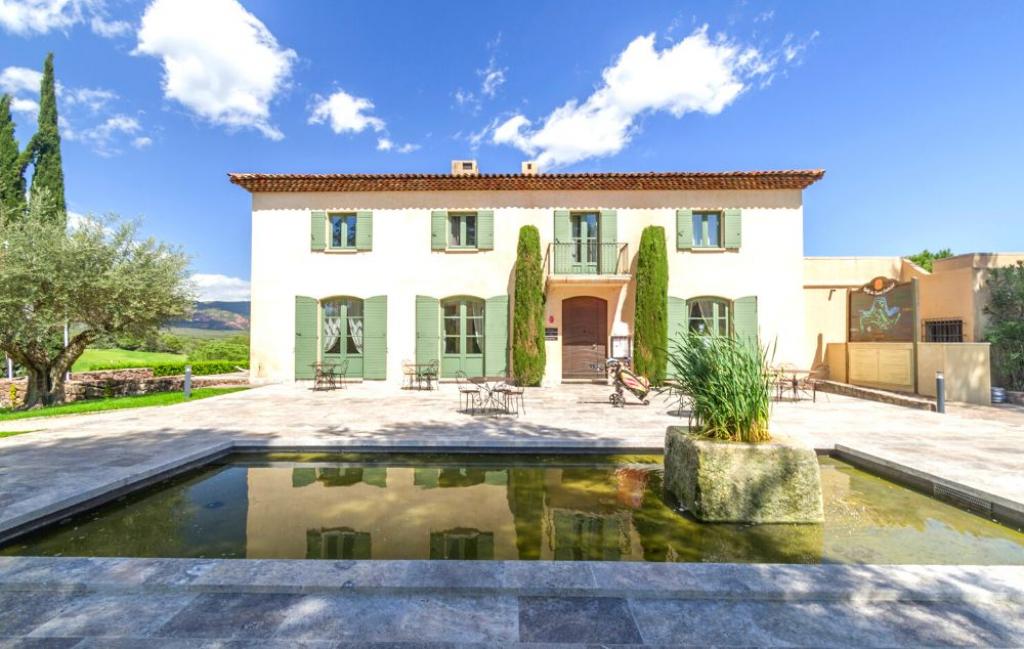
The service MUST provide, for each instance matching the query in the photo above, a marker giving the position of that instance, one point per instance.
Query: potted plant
(725, 465)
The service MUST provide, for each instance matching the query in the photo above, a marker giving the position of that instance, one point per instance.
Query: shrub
(730, 385)
(650, 319)
(233, 348)
(201, 368)
(1006, 324)
(528, 354)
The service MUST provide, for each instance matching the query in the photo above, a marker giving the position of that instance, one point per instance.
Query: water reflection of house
(379, 513)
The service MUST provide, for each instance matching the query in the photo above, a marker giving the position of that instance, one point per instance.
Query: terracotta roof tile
(674, 180)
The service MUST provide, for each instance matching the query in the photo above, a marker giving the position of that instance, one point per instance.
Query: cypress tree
(49, 172)
(528, 356)
(650, 319)
(12, 166)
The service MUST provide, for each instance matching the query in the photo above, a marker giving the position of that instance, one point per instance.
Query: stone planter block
(735, 482)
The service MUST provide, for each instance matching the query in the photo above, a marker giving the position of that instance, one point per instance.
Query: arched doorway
(342, 337)
(584, 337)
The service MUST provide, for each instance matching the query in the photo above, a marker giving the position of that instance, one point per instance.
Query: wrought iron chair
(469, 393)
(430, 373)
(339, 374)
(514, 394)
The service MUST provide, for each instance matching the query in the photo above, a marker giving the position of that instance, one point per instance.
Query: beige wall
(401, 265)
(889, 366)
(965, 367)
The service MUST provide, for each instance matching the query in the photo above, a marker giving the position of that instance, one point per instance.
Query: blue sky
(913, 108)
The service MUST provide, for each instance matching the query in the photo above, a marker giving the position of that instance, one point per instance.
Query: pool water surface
(484, 507)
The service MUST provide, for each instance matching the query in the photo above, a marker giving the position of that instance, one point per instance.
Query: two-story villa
(382, 269)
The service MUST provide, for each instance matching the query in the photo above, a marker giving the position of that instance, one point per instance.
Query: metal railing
(587, 258)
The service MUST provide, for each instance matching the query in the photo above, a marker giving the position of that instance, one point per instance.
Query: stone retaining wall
(118, 383)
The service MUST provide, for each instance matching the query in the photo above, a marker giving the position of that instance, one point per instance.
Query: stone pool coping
(35, 515)
(683, 581)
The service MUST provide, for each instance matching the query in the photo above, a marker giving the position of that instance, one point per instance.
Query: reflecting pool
(482, 507)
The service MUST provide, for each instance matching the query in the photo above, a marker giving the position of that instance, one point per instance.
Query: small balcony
(587, 262)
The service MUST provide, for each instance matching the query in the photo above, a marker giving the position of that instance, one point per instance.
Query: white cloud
(493, 78)
(221, 287)
(219, 61)
(15, 79)
(94, 98)
(109, 28)
(142, 142)
(344, 113)
(27, 17)
(697, 74)
(385, 144)
(104, 138)
(27, 106)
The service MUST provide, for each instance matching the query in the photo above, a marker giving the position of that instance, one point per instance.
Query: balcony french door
(584, 243)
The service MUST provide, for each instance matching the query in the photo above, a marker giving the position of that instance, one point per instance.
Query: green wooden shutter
(562, 261)
(677, 322)
(428, 329)
(733, 228)
(684, 229)
(306, 313)
(496, 336)
(438, 230)
(608, 233)
(485, 230)
(375, 337)
(364, 230)
(563, 231)
(318, 230)
(744, 317)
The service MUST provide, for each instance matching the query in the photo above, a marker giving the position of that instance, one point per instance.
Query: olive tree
(96, 277)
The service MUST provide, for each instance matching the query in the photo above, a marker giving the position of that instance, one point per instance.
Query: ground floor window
(342, 337)
(709, 315)
(944, 331)
(463, 331)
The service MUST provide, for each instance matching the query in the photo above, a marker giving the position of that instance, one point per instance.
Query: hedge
(650, 319)
(528, 354)
(199, 368)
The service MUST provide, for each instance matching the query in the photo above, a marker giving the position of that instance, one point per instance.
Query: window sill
(342, 251)
(464, 250)
(696, 249)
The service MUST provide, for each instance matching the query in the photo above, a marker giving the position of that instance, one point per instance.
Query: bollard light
(188, 382)
(940, 392)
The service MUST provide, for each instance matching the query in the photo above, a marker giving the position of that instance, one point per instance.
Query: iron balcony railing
(587, 258)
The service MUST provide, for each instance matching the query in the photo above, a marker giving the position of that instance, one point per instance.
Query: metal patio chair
(469, 393)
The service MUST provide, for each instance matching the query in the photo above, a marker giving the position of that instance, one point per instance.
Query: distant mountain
(218, 316)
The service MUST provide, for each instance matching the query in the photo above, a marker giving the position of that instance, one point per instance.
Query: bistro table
(495, 395)
(422, 373)
(788, 378)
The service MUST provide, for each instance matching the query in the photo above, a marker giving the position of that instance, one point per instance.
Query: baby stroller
(624, 379)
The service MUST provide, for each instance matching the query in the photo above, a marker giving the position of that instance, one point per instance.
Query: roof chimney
(464, 168)
(530, 168)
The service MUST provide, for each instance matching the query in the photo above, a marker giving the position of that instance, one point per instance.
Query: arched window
(710, 315)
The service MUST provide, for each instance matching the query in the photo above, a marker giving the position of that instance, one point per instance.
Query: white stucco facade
(401, 265)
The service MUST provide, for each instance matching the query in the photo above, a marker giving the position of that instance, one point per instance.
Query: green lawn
(100, 357)
(116, 403)
(11, 433)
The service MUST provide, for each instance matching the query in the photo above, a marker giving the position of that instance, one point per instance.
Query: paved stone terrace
(237, 603)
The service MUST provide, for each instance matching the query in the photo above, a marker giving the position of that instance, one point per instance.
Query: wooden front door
(584, 337)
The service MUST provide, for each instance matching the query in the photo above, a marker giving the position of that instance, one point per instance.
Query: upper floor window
(709, 315)
(342, 230)
(462, 231)
(707, 229)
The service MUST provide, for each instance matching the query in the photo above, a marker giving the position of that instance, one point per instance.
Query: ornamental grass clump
(729, 383)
